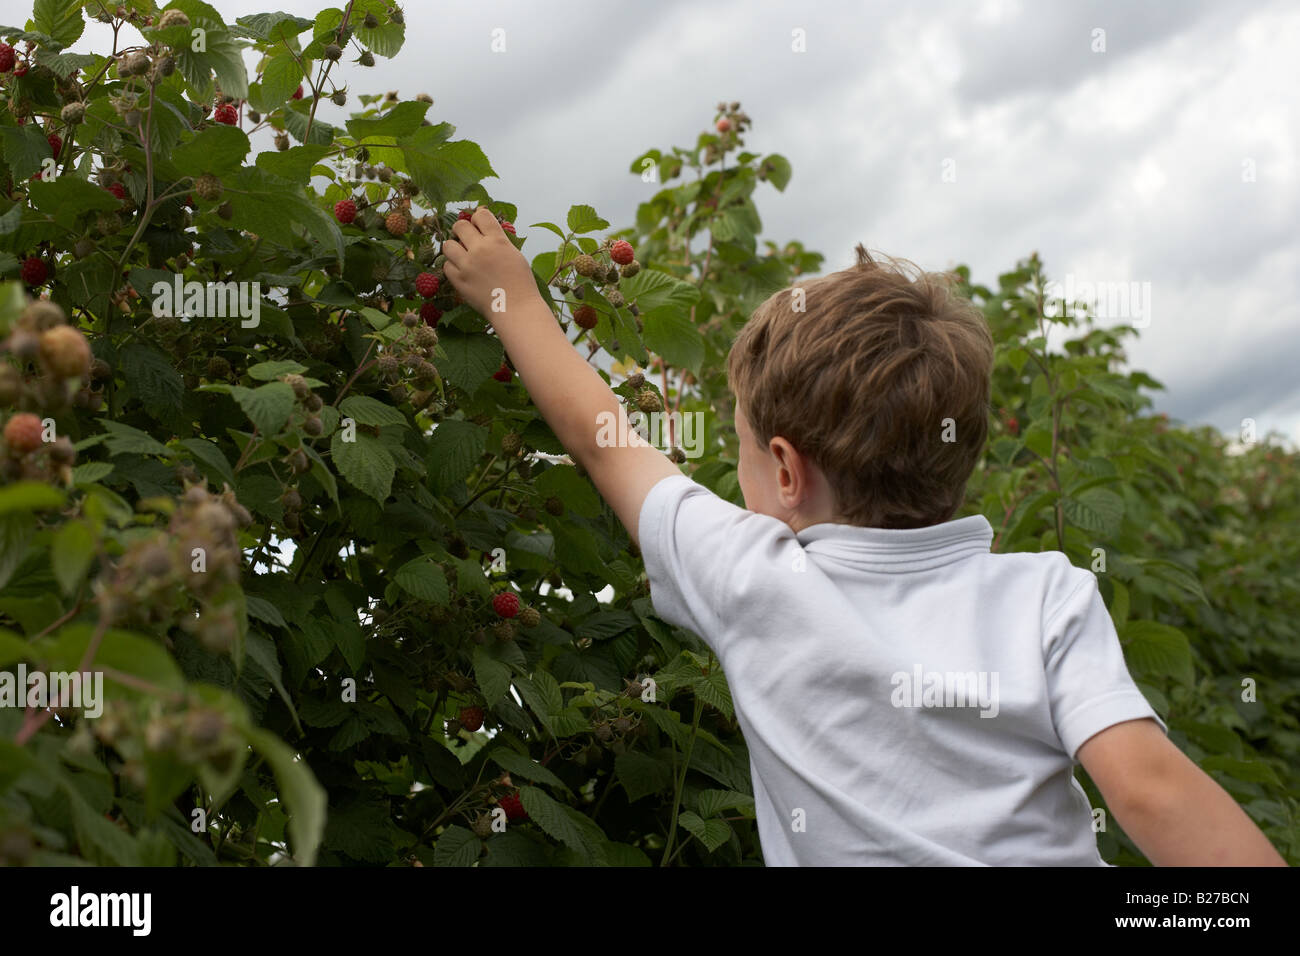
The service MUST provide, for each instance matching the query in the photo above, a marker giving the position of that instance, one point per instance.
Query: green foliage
(282, 533)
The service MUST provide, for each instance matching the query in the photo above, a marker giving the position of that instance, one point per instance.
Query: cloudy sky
(1154, 142)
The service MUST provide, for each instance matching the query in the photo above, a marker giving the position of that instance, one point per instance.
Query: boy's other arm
(1170, 807)
(570, 394)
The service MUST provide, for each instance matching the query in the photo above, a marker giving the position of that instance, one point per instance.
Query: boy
(908, 697)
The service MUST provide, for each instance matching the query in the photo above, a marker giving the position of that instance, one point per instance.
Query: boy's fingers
(453, 250)
(485, 220)
(467, 233)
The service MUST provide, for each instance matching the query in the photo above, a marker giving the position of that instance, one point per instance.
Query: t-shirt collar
(899, 549)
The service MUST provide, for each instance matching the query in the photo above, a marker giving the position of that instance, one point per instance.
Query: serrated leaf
(1097, 510)
(456, 846)
(424, 579)
(454, 448)
(1156, 649)
(71, 552)
(370, 411)
(642, 775)
(563, 823)
(471, 358)
(518, 765)
(267, 406)
(364, 463)
(712, 833)
(493, 676)
(583, 218)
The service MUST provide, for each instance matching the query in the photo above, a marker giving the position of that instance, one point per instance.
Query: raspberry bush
(348, 597)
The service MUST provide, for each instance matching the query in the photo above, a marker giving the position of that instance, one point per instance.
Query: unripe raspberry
(506, 603)
(208, 187)
(333, 52)
(677, 456)
(173, 18)
(312, 426)
(299, 463)
(65, 352)
(482, 826)
(426, 283)
(409, 319)
(339, 98)
(370, 22)
(11, 384)
(73, 113)
(723, 125)
(554, 506)
(511, 442)
(282, 141)
(636, 380)
(218, 367)
(312, 403)
(366, 59)
(40, 315)
(387, 366)
(397, 223)
(648, 401)
(530, 617)
(83, 247)
(621, 252)
(631, 269)
(62, 451)
(23, 434)
(426, 337)
(615, 298)
(292, 500)
(504, 630)
(345, 210)
(585, 317)
(584, 265)
(299, 385)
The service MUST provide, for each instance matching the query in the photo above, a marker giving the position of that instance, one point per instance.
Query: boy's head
(862, 397)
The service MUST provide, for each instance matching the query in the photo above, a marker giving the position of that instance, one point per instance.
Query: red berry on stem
(118, 190)
(471, 718)
(503, 374)
(513, 806)
(297, 94)
(345, 210)
(226, 113)
(724, 124)
(431, 314)
(509, 227)
(56, 143)
(6, 58)
(426, 283)
(506, 604)
(622, 252)
(586, 317)
(465, 214)
(35, 271)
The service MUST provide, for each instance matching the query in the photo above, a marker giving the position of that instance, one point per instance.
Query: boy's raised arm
(494, 278)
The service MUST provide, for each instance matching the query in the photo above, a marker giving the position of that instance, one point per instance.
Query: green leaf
(1097, 511)
(30, 496)
(710, 803)
(1251, 771)
(712, 833)
(670, 333)
(125, 440)
(471, 357)
(281, 76)
(270, 371)
(365, 463)
(217, 150)
(399, 122)
(651, 290)
(267, 406)
(424, 579)
(1156, 649)
(456, 846)
(24, 149)
(565, 824)
(584, 219)
(60, 20)
(444, 171)
(519, 765)
(303, 797)
(453, 450)
(71, 552)
(1119, 604)
(151, 376)
(642, 775)
(777, 169)
(370, 411)
(577, 493)
(493, 676)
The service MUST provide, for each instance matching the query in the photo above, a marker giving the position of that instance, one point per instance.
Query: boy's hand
(1172, 809)
(481, 260)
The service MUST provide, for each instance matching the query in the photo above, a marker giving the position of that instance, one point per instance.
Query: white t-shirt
(908, 696)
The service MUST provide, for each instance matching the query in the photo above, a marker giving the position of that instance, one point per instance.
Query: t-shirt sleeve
(700, 550)
(1088, 682)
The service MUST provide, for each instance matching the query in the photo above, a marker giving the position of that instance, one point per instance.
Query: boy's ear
(792, 477)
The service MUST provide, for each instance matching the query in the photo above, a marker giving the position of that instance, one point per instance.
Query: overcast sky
(1169, 157)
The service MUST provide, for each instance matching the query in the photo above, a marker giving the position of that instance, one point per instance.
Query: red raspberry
(226, 113)
(6, 58)
(586, 317)
(724, 124)
(1013, 426)
(23, 433)
(471, 718)
(297, 94)
(431, 314)
(56, 143)
(506, 604)
(503, 374)
(465, 214)
(508, 227)
(21, 69)
(622, 252)
(118, 190)
(35, 271)
(426, 283)
(513, 806)
(345, 210)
